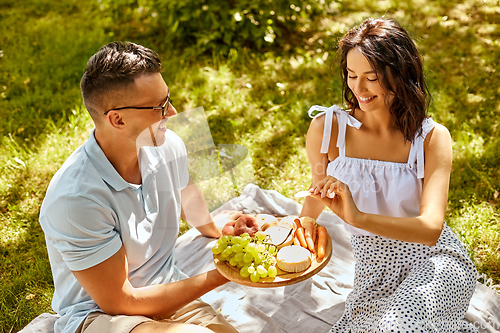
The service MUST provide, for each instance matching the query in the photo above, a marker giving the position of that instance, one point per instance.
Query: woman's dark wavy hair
(398, 63)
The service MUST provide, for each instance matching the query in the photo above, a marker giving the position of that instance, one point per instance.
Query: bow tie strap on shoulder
(417, 148)
(343, 119)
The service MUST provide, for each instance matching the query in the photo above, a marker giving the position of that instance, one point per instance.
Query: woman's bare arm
(424, 228)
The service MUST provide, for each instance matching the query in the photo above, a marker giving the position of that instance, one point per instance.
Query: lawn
(255, 93)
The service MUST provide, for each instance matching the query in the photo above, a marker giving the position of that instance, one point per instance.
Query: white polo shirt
(90, 211)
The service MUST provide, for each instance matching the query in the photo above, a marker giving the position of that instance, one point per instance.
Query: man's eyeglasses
(163, 108)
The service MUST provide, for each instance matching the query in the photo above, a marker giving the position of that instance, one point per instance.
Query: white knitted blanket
(313, 305)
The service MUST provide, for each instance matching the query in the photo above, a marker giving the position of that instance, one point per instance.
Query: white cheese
(293, 258)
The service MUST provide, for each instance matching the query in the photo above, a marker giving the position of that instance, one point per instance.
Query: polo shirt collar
(102, 164)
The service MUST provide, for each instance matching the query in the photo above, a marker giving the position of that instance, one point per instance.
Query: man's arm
(195, 211)
(108, 285)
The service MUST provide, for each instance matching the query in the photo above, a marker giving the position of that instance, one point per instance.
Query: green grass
(258, 101)
(25, 277)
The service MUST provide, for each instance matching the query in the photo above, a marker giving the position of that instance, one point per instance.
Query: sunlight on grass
(24, 178)
(258, 101)
(478, 227)
(25, 275)
(468, 143)
(11, 234)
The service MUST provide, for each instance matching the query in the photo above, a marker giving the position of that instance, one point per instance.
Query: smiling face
(364, 83)
(146, 126)
(400, 83)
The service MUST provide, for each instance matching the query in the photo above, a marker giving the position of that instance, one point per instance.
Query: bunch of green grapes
(252, 255)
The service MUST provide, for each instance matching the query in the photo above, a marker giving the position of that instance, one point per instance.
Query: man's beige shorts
(195, 313)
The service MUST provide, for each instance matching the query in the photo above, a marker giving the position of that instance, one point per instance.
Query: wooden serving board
(282, 278)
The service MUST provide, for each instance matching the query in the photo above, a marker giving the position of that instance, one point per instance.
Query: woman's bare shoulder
(438, 136)
(316, 132)
(318, 123)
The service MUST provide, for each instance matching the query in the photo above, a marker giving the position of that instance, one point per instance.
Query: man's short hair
(114, 67)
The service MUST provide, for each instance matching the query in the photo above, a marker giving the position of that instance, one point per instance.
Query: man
(111, 213)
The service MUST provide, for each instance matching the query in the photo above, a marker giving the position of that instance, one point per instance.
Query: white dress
(398, 286)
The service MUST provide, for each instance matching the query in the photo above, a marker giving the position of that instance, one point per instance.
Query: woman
(383, 167)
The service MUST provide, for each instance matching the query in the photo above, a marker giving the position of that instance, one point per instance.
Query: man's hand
(220, 220)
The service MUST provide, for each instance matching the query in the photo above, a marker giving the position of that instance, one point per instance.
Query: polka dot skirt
(409, 287)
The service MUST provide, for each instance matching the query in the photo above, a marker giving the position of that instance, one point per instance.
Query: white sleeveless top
(377, 187)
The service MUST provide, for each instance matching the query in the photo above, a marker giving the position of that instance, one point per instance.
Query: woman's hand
(337, 196)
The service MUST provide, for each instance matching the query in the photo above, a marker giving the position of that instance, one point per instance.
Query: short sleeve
(81, 230)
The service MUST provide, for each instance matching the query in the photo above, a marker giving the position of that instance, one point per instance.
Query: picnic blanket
(313, 305)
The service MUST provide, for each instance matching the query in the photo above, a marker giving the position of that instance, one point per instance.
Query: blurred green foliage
(223, 27)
